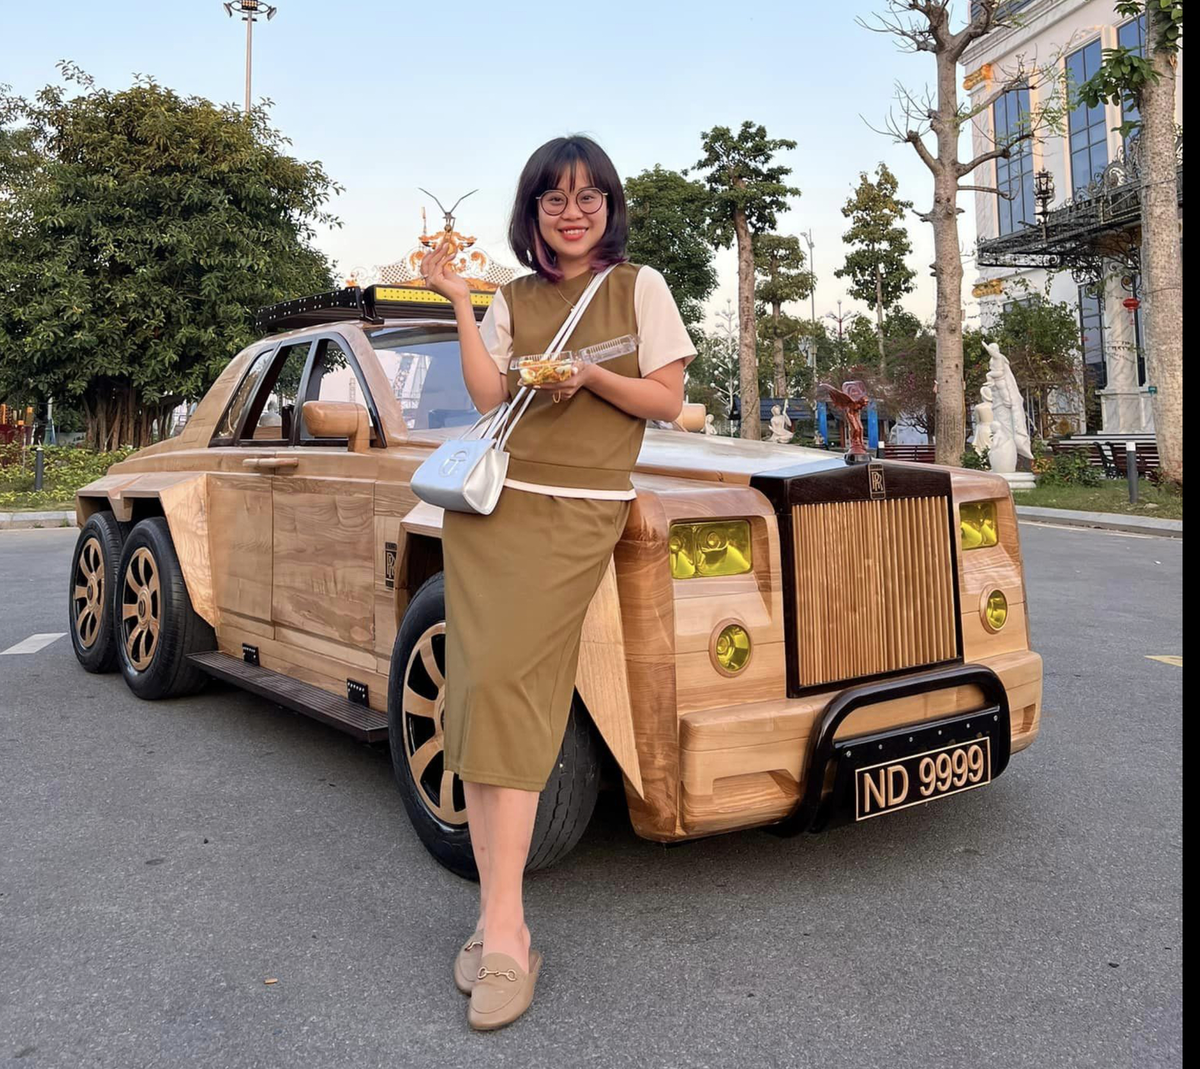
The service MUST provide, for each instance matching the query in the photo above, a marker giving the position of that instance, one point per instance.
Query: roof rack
(371, 305)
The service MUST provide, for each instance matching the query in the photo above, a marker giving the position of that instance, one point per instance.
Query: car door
(248, 440)
(323, 568)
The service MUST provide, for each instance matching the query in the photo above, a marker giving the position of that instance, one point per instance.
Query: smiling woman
(512, 626)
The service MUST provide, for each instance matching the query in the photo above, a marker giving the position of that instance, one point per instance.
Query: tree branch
(986, 189)
(1000, 152)
(914, 139)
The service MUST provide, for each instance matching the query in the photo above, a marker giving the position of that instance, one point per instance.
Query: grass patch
(1111, 496)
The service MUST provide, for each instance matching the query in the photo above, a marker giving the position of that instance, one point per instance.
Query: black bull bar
(816, 809)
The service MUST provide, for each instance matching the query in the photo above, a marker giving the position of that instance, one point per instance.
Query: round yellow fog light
(730, 648)
(993, 608)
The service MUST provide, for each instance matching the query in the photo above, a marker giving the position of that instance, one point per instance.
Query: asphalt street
(160, 861)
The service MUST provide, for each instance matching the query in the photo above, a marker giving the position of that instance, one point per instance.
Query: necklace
(570, 304)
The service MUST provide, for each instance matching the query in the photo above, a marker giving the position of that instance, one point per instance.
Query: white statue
(1009, 431)
(781, 425)
(709, 426)
(982, 439)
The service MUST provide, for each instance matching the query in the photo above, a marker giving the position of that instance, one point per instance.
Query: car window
(274, 408)
(241, 396)
(425, 371)
(333, 378)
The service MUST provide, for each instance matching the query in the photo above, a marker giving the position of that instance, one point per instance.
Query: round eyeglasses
(588, 200)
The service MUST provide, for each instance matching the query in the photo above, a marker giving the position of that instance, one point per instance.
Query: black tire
(94, 567)
(566, 803)
(157, 666)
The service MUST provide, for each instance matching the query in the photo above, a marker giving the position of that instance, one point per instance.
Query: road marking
(1167, 658)
(33, 643)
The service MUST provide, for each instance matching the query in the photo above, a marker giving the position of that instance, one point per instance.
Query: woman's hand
(437, 268)
(581, 375)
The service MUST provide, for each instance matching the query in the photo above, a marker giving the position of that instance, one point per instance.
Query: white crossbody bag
(466, 474)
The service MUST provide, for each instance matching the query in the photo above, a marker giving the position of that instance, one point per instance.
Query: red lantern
(1132, 304)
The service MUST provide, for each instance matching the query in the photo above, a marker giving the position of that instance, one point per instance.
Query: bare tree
(925, 26)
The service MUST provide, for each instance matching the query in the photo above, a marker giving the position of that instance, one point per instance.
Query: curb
(1107, 521)
(11, 521)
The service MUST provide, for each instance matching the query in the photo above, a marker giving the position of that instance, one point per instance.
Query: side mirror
(339, 419)
(691, 417)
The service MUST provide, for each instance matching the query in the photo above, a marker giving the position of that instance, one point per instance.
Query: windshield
(425, 371)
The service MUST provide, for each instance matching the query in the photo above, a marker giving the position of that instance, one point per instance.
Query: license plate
(922, 777)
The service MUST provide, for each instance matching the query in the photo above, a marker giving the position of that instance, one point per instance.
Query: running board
(362, 722)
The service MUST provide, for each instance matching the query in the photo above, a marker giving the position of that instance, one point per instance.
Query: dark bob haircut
(542, 173)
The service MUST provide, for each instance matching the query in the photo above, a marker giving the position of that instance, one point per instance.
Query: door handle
(270, 463)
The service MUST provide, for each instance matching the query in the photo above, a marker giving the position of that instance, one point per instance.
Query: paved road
(158, 861)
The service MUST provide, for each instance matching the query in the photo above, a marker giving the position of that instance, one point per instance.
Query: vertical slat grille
(874, 587)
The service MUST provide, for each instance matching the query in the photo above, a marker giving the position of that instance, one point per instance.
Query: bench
(914, 454)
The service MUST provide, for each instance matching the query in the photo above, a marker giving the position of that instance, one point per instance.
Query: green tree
(1149, 82)
(878, 245)
(1040, 337)
(668, 224)
(136, 242)
(781, 276)
(748, 192)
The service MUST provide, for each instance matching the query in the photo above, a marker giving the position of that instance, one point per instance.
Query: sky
(454, 96)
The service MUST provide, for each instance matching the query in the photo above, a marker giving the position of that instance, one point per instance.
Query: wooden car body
(307, 554)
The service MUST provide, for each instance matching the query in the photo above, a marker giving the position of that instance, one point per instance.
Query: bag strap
(525, 394)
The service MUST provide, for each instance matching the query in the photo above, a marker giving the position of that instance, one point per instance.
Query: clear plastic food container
(540, 369)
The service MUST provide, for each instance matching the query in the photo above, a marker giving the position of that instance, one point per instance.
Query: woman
(519, 581)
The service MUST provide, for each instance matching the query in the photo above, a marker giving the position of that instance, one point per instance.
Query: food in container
(542, 369)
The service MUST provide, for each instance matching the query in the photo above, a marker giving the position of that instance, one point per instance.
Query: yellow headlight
(706, 549)
(978, 524)
(995, 610)
(731, 649)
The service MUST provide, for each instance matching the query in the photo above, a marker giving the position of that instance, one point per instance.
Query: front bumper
(748, 765)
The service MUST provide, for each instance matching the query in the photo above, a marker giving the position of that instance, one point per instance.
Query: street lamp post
(249, 10)
(808, 240)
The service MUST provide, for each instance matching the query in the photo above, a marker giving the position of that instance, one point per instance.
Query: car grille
(900, 611)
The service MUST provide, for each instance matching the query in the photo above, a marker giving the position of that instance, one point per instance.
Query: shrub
(1066, 469)
(975, 461)
(65, 469)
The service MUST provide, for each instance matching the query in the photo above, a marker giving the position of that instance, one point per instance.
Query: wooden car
(783, 638)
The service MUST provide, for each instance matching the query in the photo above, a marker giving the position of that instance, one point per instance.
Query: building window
(1091, 336)
(1132, 35)
(1014, 176)
(1086, 126)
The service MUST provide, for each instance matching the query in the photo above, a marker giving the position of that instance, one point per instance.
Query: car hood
(691, 455)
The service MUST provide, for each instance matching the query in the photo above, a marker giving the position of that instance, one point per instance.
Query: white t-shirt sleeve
(664, 338)
(496, 331)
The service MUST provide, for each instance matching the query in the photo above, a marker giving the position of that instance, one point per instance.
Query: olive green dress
(519, 581)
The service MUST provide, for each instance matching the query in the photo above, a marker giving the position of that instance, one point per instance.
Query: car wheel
(93, 576)
(432, 795)
(156, 627)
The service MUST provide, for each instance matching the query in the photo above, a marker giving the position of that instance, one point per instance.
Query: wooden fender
(183, 496)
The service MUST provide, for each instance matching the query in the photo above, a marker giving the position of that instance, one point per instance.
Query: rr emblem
(875, 480)
(451, 463)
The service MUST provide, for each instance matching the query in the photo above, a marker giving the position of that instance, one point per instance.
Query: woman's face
(573, 234)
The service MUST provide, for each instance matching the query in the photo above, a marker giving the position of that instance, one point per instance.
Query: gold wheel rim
(422, 727)
(141, 609)
(87, 598)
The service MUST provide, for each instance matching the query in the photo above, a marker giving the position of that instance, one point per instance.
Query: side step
(362, 722)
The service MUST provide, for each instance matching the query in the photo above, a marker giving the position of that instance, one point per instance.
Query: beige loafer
(503, 991)
(467, 964)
